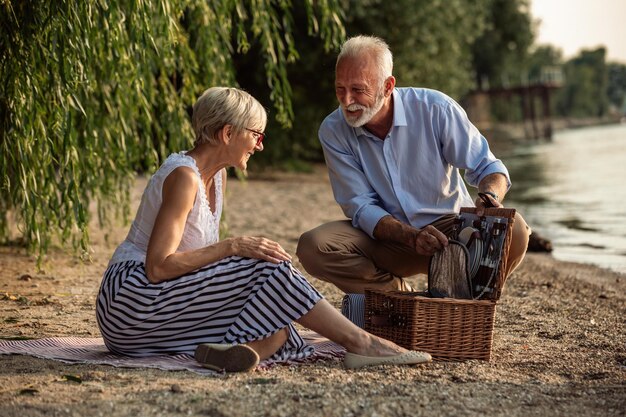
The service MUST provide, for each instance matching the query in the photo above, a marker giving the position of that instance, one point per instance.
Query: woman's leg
(324, 319)
(265, 348)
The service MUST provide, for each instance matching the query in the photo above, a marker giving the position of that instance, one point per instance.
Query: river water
(572, 191)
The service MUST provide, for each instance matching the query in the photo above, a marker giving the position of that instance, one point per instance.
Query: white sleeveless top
(202, 226)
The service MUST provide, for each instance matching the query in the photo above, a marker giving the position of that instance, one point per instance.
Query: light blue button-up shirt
(413, 174)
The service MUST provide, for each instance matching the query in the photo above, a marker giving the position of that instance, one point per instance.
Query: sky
(572, 25)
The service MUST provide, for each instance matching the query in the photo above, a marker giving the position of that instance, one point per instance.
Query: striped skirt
(235, 300)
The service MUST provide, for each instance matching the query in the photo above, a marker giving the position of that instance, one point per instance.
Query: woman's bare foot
(346, 333)
(371, 345)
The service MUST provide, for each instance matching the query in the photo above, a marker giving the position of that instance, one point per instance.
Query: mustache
(354, 107)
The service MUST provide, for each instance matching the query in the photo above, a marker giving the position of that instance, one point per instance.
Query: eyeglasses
(260, 135)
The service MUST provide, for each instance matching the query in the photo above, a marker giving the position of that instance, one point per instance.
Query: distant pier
(529, 104)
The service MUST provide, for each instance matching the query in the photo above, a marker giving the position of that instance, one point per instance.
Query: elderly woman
(173, 287)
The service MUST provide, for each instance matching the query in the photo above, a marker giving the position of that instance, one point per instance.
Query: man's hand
(493, 187)
(430, 240)
(485, 201)
(425, 241)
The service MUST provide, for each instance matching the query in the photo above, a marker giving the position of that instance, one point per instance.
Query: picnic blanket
(93, 351)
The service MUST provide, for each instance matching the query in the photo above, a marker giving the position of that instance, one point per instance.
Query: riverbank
(524, 131)
(562, 185)
(559, 343)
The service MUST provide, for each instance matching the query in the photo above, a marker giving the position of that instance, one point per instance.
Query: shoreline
(601, 277)
(560, 202)
(516, 131)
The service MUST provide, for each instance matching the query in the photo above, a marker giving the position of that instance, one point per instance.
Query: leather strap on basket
(500, 278)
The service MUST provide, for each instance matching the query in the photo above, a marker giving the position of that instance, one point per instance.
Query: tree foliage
(431, 41)
(93, 91)
(584, 93)
(616, 86)
(500, 53)
(312, 82)
(542, 57)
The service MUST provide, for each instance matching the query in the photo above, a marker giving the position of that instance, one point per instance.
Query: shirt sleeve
(351, 189)
(464, 147)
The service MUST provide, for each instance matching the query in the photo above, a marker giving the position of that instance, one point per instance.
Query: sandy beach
(559, 341)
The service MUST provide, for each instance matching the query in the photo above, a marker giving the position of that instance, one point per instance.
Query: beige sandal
(412, 357)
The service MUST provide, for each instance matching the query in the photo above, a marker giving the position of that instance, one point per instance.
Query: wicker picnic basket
(447, 328)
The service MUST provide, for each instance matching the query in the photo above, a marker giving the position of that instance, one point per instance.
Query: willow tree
(94, 91)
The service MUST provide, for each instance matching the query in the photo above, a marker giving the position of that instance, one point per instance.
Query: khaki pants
(346, 256)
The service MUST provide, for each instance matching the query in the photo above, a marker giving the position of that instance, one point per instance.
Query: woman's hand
(259, 248)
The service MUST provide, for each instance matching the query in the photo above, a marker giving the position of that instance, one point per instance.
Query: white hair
(219, 106)
(361, 45)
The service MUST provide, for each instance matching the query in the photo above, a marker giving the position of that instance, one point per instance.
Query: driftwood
(537, 243)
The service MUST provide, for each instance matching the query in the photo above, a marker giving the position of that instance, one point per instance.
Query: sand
(559, 342)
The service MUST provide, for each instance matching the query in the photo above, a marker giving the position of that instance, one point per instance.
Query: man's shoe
(412, 357)
(229, 358)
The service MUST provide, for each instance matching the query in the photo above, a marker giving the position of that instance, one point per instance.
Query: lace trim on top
(217, 181)
(201, 227)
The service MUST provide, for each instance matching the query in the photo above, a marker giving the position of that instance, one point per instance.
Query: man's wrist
(492, 194)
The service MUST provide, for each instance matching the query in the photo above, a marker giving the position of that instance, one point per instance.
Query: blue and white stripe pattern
(353, 308)
(235, 300)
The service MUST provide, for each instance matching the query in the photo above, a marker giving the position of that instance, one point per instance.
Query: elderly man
(393, 157)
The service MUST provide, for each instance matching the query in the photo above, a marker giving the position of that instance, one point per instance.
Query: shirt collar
(399, 116)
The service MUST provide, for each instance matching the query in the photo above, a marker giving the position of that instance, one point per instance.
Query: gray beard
(368, 112)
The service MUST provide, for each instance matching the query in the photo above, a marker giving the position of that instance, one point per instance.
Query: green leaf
(73, 378)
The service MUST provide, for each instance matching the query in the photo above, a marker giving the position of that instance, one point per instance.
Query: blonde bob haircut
(220, 106)
(361, 45)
